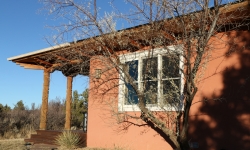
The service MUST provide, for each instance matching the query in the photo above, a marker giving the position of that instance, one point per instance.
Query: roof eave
(38, 51)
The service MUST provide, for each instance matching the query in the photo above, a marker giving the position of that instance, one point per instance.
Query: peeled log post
(68, 103)
(44, 109)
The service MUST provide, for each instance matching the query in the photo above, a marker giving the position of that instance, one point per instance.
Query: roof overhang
(49, 49)
(60, 57)
(73, 58)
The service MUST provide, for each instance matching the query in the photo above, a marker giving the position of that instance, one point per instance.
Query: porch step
(47, 137)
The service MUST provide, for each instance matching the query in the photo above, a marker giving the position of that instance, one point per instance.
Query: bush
(56, 115)
(68, 140)
(21, 121)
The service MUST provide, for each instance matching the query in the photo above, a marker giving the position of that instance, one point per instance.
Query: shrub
(56, 115)
(68, 140)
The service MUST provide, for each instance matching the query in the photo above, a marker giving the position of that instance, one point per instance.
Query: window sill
(151, 108)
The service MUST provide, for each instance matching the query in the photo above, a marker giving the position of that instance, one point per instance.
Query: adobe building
(219, 115)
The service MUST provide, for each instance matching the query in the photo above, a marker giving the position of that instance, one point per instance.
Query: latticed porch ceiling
(70, 60)
(74, 58)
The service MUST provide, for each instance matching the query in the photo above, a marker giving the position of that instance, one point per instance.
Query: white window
(157, 74)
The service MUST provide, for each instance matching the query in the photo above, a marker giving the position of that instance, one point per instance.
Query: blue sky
(22, 30)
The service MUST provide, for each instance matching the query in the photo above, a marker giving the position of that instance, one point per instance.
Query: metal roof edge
(38, 51)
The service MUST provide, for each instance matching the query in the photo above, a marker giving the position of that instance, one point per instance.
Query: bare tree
(159, 60)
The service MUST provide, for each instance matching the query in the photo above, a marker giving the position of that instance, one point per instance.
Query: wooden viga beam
(54, 66)
(234, 7)
(43, 62)
(30, 66)
(61, 57)
(136, 44)
(37, 67)
(168, 36)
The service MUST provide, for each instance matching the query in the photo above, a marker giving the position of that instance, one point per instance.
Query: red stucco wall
(219, 116)
(223, 120)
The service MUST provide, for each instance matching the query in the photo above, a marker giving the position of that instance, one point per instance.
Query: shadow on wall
(229, 112)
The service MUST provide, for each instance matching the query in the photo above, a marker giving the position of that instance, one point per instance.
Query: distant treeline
(21, 120)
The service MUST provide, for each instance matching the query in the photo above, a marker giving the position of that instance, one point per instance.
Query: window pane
(170, 66)
(149, 71)
(130, 95)
(133, 69)
(150, 92)
(171, 91)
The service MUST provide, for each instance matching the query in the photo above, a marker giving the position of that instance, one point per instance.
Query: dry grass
(12, 144)
(18, 144)
(86, 148)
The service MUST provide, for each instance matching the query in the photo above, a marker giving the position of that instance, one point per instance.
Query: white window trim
(136, 56)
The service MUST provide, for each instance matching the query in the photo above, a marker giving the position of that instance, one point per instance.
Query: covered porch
(69, 59)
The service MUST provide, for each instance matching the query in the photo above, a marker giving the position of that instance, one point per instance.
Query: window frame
(140, 55)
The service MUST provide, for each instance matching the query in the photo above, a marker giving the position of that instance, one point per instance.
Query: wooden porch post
(44, 109)
(68, 103)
